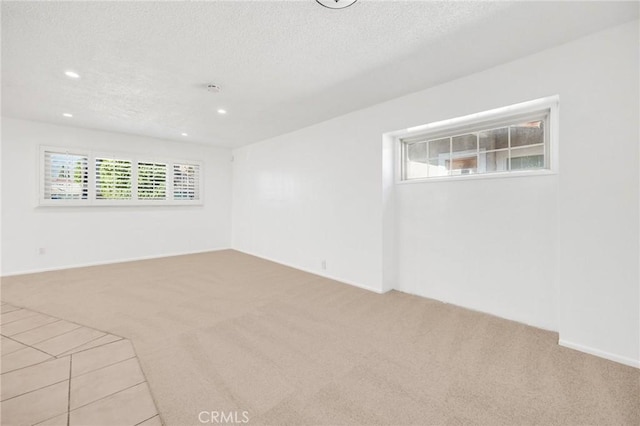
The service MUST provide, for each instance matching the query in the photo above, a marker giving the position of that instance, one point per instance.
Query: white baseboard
(108, 262)
(320, 274)
(602, 354)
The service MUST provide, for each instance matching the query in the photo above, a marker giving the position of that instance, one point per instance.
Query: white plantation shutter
(186, 181)
(152, 181)
(113, 179)
(66, 176)
(75, 177)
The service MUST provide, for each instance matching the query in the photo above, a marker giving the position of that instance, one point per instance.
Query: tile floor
(54, 372)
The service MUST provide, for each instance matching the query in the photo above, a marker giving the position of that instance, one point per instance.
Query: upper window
(75, 178)
(500, 142)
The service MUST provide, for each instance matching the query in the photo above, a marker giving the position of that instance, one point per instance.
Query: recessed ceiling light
(185, 134)
(66, 114)
(222, 111)
(72, 74)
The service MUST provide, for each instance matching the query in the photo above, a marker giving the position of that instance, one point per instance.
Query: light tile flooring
(55, 372)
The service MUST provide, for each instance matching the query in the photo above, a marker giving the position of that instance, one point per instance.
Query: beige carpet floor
(225, 332)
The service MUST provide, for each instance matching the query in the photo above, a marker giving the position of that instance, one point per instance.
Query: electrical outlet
(324, 265)
(41, 250)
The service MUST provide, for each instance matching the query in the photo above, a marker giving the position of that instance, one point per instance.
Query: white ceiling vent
(213, 88)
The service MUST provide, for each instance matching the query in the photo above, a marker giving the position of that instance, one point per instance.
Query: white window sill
(125, 203)
(497, 175)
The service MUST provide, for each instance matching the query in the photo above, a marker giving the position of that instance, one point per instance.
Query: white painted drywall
(598, 211)
(313, 196)
(558, 252)
(75, 236)
(486, 244)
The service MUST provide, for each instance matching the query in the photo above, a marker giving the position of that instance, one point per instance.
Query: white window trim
(134, 201)
(491, 118)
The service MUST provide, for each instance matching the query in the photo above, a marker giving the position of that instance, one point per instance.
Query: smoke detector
(213, 88)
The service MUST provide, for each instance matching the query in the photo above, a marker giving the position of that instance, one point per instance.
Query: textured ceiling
(282, 65)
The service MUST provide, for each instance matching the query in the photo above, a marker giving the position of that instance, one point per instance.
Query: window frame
(135, 159)
(546, 108)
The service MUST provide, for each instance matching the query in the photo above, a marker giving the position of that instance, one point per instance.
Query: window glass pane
(464, 165)
(527, 158)
(528, 133)
(438, 147)
(495, 161)
(416, 163)
(494, 139)
(66, 176)
(152, 181)
(417, 152)
(113, 179)
(465, 143)
(439, 166)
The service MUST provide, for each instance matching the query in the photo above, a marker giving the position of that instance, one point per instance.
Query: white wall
(486, 244)
(559, 252)
(310, 196)
(598, 206)
(74, 236)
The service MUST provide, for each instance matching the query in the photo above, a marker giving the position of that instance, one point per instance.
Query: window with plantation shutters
(113, 179)
(74, 177)
(66, 176)
(152, 181)
(186, 181)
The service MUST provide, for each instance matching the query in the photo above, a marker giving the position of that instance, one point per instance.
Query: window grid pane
(528, 133)
(494, 139)
(416, 165)
(527, 157)
(495, 161)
